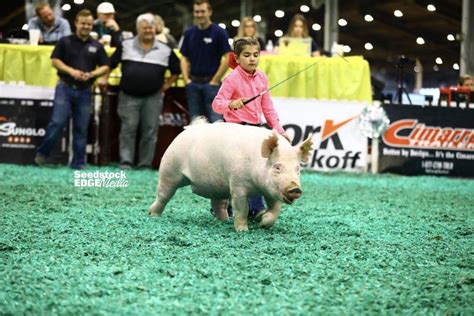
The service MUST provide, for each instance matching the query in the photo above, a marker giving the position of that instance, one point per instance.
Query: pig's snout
(292, 194)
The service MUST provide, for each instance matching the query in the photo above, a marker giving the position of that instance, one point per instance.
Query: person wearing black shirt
(79, 60)
(144, 62)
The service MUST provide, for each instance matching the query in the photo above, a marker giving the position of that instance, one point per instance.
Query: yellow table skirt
(330, 78)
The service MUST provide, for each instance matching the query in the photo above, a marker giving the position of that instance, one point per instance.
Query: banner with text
(23, 124)
(428, 140)
(338, 143)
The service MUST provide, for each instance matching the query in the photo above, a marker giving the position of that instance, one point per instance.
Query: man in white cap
(106, 24)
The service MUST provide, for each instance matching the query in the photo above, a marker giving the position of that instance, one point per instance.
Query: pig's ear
(306, 147)
(269, 144)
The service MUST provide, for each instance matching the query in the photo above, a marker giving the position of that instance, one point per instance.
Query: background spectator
(105, 24)
(76, 58)
(299, 29)
(248, 28)
(144, 62)
(163, 33)
(466, 81)
(205, 48)
(52, 28)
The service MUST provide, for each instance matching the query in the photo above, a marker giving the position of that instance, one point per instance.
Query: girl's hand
(236, 104)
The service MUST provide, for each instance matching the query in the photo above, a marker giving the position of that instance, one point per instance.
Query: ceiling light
(231, 42)
(368, 18)
(235, 23)
(316, 27)
(439, 61)
(342, 22)
(456, 66)
(435, 68)
(431, 7)
(279, 13)
(450, 37)
(368, 46)
(416, 69)
(66, 7)
(25, 27)
(222, 25)
(257, 18)
(420, 41)
(346, 49)
(278, 33)
(78, 1)
(398, 13)
(304, 8)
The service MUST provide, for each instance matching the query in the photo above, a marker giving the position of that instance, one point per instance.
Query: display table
(330, 79)
(333, 78)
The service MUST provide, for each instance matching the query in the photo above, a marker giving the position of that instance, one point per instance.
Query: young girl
(244, 82)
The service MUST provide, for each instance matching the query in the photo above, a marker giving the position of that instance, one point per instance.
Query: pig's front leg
(241, 211)
(270, 216)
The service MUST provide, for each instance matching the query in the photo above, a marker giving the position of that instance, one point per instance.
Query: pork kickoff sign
(428, 140)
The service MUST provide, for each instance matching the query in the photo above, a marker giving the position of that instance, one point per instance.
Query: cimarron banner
(428, 141)
(23, 124)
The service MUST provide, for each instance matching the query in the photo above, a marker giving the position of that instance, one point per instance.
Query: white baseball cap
(105, 7)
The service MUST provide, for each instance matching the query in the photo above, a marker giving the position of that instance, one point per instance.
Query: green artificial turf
(353, 244)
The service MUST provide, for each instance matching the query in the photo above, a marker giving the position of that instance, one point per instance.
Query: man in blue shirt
(205, 49)
(52, 28)
(79, 60)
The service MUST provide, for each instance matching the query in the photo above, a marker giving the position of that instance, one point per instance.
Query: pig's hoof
(241, 228)
(267, 220)
(150, 213)
(258, 217)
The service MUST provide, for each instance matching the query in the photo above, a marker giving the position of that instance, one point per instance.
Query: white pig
(226, 160)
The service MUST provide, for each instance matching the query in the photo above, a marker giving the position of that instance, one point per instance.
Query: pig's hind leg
(220, 209)
(167, 186)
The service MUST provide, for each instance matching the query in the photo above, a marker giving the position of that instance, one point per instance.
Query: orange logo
(391, 136)
(330, 128)
(418, 135)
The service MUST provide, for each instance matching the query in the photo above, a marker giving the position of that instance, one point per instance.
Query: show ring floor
(353, 244)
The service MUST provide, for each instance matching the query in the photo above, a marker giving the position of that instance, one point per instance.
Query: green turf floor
(353, 244)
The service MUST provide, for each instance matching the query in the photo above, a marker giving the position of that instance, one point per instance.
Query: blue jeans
(255, 205)
(200, 97)
(69, 100)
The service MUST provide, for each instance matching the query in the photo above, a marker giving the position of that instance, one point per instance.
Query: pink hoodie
(240, 84)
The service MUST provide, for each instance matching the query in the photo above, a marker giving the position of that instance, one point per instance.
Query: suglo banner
(25, 112)
(428, 140)
(338, 143)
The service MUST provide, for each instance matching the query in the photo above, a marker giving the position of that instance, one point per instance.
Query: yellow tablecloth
(32, 64)
(330, 78)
